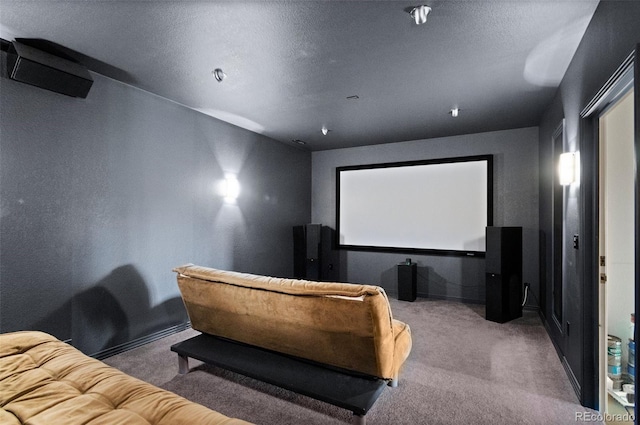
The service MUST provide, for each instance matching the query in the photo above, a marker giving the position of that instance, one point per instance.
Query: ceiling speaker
(45, 70)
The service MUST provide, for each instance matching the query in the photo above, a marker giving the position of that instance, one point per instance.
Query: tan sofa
(338, 324)
(44, 381)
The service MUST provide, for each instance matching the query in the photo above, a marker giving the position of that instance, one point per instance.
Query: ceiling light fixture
(325, 130)
(219, 74)
(299, 142)
(420, 13)
(454, 112)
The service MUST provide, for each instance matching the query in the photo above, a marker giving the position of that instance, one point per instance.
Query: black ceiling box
(32, 66)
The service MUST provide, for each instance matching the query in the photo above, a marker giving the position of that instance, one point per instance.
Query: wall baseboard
(118, 349)
(394, 294)
(572, 378)
(567, 368)
(527, 307)
(447, 298)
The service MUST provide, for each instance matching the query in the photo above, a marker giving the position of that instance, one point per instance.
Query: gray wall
(610, 37)
(102, 197)
(515, 204)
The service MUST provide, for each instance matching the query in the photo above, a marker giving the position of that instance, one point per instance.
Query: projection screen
(438, 206)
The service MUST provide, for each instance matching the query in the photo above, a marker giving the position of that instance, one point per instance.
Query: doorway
(616, 199)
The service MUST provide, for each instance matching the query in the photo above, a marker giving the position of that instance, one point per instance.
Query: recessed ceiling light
(454, 112)
(219, 74)
(299, 142)
(325, 130)
(420, 13)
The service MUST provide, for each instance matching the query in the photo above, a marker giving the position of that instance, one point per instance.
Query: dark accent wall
(102, 197)
(515, 156)
(610, 37)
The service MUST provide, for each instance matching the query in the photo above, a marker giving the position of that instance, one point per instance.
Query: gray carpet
(462, 370)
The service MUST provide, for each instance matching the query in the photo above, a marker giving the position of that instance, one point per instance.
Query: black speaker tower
(33, 66)
(503, 262)
(313, 255)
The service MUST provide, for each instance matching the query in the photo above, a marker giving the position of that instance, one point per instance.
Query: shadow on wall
(389, 281)
(431, 284)
(91, 63)
(343, 261)
(117, 310)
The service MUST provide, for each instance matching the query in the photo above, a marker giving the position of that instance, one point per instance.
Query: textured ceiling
(291, 66)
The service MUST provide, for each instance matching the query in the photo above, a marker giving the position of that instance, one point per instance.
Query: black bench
(356, 393)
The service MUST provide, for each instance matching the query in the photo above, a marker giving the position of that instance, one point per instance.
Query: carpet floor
(462, 370)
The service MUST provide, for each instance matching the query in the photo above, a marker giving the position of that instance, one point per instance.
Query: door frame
(604, 286)
(557, 239)
(627, 75)
(558, 326)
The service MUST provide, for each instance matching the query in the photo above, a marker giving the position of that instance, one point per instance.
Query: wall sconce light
(567, 168)
(230, 189)
(420, 13)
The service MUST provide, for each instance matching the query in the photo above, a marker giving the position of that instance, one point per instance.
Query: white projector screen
(439, 206)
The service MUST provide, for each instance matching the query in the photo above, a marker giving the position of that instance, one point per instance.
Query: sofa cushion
(276, 284)
(45, 381)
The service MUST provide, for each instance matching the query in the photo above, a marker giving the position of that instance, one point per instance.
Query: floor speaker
(313, 255)
(503, 263)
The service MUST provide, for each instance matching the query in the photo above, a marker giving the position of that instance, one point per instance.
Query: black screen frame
(428, 251)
